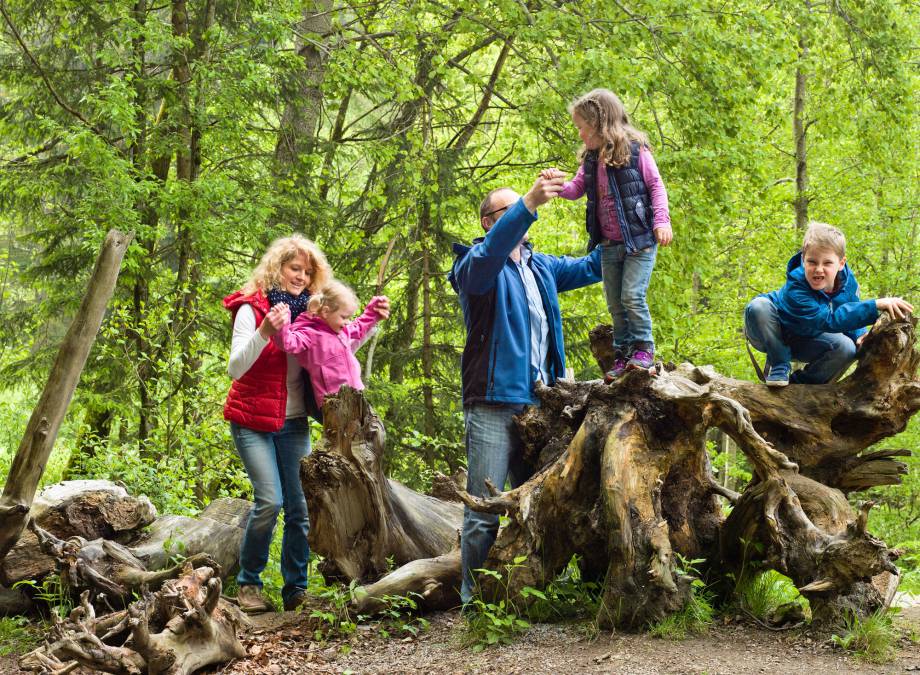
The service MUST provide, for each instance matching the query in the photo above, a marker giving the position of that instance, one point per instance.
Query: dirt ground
(553, 648)
(281, 644)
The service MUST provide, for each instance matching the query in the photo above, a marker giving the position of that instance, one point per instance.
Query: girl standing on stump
(627, 215)
(268, 415)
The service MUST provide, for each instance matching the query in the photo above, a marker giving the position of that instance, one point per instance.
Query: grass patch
(693, 619)
(763, 593)
(17, 636)
(873, 638)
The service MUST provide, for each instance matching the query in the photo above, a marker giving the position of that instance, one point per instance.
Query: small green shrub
(695, 616)
(399, 616)
(52, 592)
(16, 635)
(761, 593)
(493, 623)
(873, 638)
(567, 596)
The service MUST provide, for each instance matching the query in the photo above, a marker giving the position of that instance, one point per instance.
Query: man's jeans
(493, 451)
(626, 280)
(826, 354)
(272, 461)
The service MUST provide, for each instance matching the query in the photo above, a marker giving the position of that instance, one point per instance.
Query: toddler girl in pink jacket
(324, 337)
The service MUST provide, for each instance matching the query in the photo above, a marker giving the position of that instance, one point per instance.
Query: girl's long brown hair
(604, 113)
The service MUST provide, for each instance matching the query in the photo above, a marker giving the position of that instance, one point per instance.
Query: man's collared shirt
(539, 326)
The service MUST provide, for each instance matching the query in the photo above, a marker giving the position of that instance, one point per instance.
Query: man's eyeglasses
(492, 213)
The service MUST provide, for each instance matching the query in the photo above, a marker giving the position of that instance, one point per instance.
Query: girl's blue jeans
(272, 460)
(826, 354)
(626, 280)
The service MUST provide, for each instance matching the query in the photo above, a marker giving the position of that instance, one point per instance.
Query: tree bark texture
(41, 431)
(623, 481)
(179, 629)
(361, 521)
(102, 539)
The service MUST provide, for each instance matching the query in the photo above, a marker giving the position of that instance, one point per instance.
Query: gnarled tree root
(177, 630)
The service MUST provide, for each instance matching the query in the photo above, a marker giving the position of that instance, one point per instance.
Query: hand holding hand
(664, 235)
(552, 172)
(897, 308)
(382, 307)
(542, 191)
(277, 317)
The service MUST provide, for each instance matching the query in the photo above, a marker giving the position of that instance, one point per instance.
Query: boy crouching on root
(817, 318)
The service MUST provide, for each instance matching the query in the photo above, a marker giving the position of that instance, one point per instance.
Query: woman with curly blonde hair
(267, 411)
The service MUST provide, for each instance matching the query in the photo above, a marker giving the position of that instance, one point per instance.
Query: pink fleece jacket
(326, 355)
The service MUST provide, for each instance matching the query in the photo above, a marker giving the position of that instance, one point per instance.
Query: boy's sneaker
(251, 601)
(619, 367)
(641, 358)
(778, 375)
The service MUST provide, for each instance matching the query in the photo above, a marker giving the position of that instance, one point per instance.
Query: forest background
(210, 128)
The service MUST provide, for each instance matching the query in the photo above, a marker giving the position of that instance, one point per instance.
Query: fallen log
(91, 509)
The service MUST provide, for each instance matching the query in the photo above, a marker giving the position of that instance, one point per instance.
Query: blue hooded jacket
(496, 364)
(805, 312)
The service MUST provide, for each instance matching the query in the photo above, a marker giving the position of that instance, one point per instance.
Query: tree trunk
(361, 521)
(799, 133)
(41, 431)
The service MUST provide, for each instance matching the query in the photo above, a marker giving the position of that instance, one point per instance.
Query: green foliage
(337, 621)
(497, 622)
(695, 617)
(873, 638)
(52, 592)
(762, 592)
(399, 617)
(568, 596)
(17, 636)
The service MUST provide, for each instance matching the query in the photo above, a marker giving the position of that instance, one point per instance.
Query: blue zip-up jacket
(804, 312)
(496, 358)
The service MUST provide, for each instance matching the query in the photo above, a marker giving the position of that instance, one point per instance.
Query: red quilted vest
(258, 400)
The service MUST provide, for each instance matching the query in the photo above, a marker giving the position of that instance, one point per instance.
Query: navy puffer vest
(634, 205)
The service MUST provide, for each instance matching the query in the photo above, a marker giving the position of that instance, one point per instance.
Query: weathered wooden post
(41, 432)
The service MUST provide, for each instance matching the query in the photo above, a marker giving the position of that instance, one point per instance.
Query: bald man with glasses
(509, 296)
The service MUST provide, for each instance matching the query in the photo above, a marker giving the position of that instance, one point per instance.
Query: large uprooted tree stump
(623, 480)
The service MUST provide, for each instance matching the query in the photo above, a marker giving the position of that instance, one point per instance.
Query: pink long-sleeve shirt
(607, 207)
(326, 355)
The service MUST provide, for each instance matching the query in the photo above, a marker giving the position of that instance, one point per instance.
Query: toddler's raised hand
(897, 308)
(381, 306)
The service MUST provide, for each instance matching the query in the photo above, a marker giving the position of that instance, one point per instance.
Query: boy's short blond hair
(822, 235)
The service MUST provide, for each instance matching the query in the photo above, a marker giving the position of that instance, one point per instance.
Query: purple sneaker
(619, 367)
(641, 359)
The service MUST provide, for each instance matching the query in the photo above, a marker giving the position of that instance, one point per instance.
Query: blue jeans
(272, 461)
(826, 354)
(626, 279)
(493, 451)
